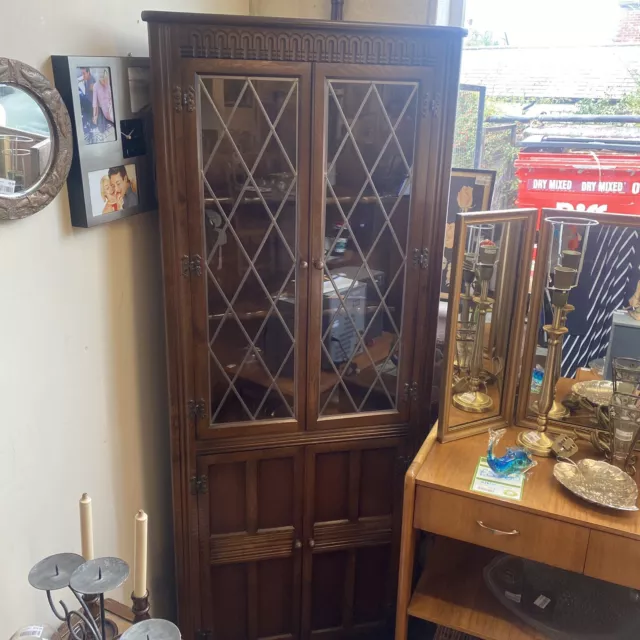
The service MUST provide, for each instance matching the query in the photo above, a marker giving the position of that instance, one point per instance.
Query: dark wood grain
(298, 535)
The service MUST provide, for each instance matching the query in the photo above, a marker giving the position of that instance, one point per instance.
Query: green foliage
(628, 105)
(479, 39)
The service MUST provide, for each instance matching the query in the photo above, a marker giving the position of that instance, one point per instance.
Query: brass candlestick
(473, 400)
(538, 442)
(558, 411)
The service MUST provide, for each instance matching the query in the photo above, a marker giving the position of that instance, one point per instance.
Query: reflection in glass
(370, 146)
(249, 150)
(25, 141)
(599, 328)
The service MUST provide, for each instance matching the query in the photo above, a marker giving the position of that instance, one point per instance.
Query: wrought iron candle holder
(569, 237)
(87, 581)
(626, 375)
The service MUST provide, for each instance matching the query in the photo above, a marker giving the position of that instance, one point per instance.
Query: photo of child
(96, 104)
(113, 189)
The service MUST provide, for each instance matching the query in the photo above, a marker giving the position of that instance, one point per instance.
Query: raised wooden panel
(331, 495)
(376, 492)
(276, 583)
(371, 589)
(254, 600)
(227, 494)
(228, 602)
(350, 562)
(275, 480)
(250, 524)
(327, 589)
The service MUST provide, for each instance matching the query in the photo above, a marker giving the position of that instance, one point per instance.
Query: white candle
(86, 527)
(140, 556)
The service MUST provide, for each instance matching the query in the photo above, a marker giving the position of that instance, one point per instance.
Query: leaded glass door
(369, 197)
(248, 229)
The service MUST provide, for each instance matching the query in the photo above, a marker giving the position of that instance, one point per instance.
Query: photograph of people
(113, 189)
(108, 194)
(123, 187)
(96, 104)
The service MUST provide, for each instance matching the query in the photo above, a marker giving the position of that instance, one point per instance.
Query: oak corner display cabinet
(303, 170)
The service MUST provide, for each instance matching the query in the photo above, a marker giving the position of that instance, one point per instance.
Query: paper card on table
(487, 482)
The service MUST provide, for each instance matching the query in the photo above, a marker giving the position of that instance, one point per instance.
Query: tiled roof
(607, 71)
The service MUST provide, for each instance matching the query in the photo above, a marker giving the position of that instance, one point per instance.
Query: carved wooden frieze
(230, 43)
(16, 73)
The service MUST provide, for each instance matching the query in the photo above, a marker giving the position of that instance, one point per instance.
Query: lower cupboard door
(360, 606)
(254, 600)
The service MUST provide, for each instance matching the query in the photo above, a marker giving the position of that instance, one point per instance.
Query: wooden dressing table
(549, 525)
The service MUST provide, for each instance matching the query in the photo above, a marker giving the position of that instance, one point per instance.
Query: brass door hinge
(199, 484)
(196, 409)
(424, 258)
(176, 95)
(421, 258)
(191, 265)
(411, 391)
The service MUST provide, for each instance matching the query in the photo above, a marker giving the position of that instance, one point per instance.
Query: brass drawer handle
(497, 532)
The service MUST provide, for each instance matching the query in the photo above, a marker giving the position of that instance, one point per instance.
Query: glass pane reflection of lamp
(482, 252)
(569, 238)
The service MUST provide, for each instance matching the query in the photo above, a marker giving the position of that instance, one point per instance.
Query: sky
(546, 22)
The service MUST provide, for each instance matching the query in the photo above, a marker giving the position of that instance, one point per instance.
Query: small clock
(132, 136)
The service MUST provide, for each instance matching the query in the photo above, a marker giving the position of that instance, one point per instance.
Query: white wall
(82, 373)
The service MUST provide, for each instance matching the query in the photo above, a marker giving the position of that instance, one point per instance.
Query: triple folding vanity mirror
(543, 323)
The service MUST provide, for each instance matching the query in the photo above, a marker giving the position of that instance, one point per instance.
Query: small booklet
(487, 482)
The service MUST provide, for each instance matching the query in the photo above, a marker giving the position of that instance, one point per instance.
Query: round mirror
(25, 141)
(35, 140)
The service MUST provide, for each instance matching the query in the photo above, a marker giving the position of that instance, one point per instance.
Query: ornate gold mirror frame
(38, 196)
(496, 302)
(525, 416)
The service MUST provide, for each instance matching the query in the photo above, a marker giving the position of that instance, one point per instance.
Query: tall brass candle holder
(563, 272)
(466, 327)
(473, 400)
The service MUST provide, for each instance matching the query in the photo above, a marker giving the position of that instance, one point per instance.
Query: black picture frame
(470, 191)
(111, 177)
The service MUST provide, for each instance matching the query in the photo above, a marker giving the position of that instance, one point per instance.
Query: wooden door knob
(312, 543)
(297, 544)
(304, 264)
(318, 264)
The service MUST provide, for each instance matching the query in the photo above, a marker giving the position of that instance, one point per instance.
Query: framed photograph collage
(109, 101)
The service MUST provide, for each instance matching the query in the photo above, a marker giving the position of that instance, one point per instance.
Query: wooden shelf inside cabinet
(378, 352)
(451, 592)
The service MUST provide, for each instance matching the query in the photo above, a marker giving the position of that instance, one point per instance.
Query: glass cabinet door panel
(370, 144)
(248, 128)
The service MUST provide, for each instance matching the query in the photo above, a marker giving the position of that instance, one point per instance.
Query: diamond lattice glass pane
(370, 148)
(248, 138)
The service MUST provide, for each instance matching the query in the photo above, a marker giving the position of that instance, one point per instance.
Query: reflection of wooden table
(549, 525)
(254, 372)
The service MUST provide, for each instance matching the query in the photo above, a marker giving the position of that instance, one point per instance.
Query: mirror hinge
(410, 391)
(424, 258)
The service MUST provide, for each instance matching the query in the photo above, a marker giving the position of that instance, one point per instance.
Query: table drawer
(614, 559)
(489, 525)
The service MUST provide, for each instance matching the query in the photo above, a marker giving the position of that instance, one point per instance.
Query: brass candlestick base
(558, 411)
(472, 401)
(538, 442)
(140, 608)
